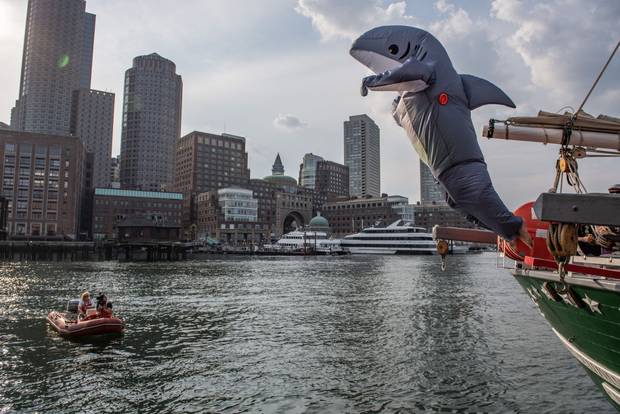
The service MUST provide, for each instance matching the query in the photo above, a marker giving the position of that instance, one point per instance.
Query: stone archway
(292, 221)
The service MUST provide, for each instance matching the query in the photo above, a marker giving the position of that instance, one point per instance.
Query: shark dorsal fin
(482, 92)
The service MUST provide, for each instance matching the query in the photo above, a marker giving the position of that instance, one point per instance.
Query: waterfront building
(294, 204)
(429, 215)
(231, 216)
(145, 229)
(4, 216)
(319, 223)
(332, 180)
(92, 121)
(151, 123)
(308, 170)
(43, 181)
(57, 60)
(351, 216)
(402, 207)
(277, 177)
(362, 156)
(112, 207)
(207, 162)
(431, 192)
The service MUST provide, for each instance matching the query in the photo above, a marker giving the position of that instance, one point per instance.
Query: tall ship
(572, 270)
(399, 237)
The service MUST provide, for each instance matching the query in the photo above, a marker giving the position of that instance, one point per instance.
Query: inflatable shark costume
(434, 107)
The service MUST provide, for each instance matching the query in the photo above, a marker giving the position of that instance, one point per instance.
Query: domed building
(277, 177)
(319, 223)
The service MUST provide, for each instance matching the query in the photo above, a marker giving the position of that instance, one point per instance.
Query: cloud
(288, 122)
(348, 18)
(545, 55)
(563, 43)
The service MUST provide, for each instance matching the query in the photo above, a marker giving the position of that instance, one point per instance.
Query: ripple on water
(350, 334)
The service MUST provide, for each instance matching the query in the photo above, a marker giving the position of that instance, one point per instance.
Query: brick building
(332, 180)
(113, 206)
(351, 216)
(428, 215)
(43, 181)
(207, 162)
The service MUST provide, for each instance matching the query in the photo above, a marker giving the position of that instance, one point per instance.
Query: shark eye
(393, 49)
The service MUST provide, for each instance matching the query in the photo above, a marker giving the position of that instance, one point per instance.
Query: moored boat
(400, 237)
(310, 241)
(577, 292)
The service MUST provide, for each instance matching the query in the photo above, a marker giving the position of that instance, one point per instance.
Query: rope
(596, 81)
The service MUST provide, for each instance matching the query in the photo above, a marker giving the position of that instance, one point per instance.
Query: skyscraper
(57, 59)
(92, 121)
(151, 123)
(307, 170)
(361, 155)
(431, 191)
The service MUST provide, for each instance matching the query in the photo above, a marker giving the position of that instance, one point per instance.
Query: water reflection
(287, 334)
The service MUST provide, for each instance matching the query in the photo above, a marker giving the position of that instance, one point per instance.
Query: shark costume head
(434, 106)
(389, 48)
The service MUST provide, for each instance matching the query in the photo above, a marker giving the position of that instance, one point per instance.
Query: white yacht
(306, 241)
(400, 237)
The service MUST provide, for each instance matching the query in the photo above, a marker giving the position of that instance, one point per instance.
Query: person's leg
(471, 189)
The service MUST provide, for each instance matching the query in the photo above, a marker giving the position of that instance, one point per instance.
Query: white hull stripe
(596, 282)
(599, 369)
(612, 392)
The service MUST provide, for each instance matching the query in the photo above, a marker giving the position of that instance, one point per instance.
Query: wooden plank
(600, 209)
(463, 234)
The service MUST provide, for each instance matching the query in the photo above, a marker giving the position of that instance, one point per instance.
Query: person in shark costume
(434, 107)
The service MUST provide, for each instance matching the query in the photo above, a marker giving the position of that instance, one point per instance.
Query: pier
(69, 251)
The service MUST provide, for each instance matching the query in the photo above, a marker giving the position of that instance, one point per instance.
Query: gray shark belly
(443, 135)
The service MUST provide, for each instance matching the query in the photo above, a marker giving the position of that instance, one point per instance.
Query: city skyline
(272, 88)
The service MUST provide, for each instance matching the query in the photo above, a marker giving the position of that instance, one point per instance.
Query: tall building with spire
(57, 60)
(362, 156)
(151, 123)
(277, 168)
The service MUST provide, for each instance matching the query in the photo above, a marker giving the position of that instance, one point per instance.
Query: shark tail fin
(482, 92)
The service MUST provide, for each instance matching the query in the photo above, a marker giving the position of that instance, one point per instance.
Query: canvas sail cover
(584, 122)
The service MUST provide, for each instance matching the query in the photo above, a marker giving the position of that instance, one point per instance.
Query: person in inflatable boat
(85, 303)
(104, 308)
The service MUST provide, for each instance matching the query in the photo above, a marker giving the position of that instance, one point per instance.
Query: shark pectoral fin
(411, 76)
(482, 92)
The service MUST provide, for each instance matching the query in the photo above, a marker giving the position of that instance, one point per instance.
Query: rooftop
(115, 192)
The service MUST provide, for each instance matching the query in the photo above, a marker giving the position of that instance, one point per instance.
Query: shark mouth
(374, 61)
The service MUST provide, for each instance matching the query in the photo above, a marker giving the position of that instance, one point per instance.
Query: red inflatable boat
(67, 324)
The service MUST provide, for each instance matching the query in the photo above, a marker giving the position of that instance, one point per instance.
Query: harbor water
(288, 334)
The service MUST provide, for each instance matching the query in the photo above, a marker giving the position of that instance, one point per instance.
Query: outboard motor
(72, 305)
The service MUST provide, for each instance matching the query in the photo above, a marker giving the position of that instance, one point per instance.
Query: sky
(278, 72)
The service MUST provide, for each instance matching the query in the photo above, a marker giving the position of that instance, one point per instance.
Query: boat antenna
(596, 81)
